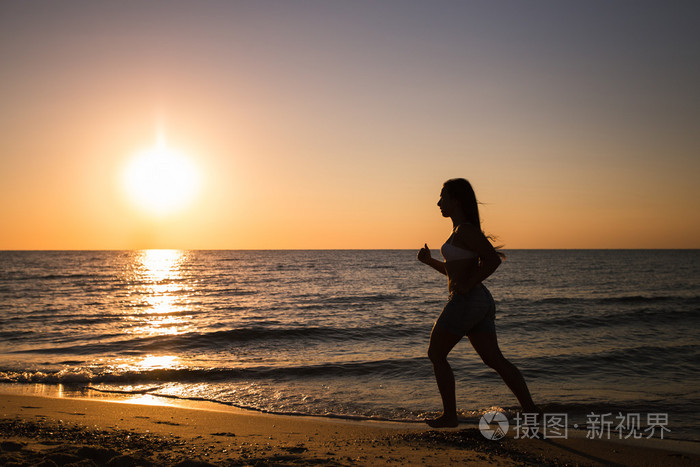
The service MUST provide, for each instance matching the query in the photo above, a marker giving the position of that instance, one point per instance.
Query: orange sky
(333, 124)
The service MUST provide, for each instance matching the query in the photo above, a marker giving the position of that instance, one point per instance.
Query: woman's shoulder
(473, 238)
(468, 236)
(468, 230)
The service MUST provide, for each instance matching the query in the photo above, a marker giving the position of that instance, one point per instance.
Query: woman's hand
(424, 254)
(425, 257)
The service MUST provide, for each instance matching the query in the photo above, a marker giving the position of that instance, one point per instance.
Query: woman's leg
(441, 342)
(486, 345)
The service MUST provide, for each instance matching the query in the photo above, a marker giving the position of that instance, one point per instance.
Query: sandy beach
(39, 430)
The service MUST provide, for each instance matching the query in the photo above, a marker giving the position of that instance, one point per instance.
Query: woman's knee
(436, 355)
(495, 361)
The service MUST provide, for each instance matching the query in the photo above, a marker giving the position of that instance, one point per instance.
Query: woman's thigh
(442, 342)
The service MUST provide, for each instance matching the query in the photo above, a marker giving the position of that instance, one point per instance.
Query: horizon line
(339, 249)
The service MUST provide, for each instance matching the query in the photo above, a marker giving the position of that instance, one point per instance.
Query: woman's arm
(425, 257)
(476, 241)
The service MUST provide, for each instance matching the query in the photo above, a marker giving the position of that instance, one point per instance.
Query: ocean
(344, 333)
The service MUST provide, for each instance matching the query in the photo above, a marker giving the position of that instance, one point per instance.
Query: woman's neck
(458, 219)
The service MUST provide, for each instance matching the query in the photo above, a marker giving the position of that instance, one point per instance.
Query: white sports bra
(452, 253)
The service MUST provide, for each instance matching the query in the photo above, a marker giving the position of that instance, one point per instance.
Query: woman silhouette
(469, 259)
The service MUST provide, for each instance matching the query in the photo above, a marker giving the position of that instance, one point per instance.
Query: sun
(160, 180)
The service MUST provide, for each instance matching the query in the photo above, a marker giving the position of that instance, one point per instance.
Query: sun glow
(160, 180)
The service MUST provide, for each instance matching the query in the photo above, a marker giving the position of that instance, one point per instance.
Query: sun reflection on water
(147, 363)
(158, 361)
(160, 294)
(159, 265)
(147, 399)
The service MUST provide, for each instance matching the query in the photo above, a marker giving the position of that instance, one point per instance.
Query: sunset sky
(332, 124)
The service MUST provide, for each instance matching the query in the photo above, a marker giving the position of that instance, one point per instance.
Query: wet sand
(36, 430)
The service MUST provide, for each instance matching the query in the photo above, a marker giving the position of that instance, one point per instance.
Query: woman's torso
(460, 264)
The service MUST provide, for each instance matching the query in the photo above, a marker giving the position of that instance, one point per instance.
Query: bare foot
(443, 421)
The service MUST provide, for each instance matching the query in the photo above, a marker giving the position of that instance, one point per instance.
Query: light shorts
(469, 313)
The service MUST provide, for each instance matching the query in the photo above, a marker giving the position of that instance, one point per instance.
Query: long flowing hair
(462, 190)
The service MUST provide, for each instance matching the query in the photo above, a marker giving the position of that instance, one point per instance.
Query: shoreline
(58, 391)
(81, 391)
(38, 427)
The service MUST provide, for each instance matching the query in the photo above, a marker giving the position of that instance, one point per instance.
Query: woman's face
(448, 205)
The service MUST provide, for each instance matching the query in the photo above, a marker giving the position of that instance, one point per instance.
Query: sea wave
(577, 300)
(580, 316)
(219, 339)
(10, 277)
(387, 367)
(621, 362)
